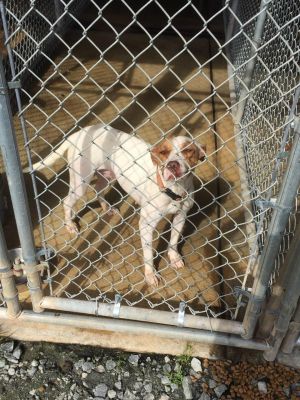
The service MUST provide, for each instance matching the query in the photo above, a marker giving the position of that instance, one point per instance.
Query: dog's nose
(173, 165)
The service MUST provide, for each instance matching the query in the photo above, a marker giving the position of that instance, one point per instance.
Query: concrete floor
(106, 258)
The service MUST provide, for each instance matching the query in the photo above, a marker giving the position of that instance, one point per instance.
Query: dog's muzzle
(174, 168)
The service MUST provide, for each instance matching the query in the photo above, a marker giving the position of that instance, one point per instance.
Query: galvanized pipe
(136, 328)
(281, 212)
(256, 40)
(285, 303)
(9, 290)
(290, 340)
(238, 113)
(289, 302)
(290, 268)
(140, 314)
(18, 192)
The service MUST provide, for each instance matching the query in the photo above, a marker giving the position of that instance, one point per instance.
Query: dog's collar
(165, 190)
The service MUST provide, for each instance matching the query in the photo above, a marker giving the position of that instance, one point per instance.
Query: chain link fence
(152, 77)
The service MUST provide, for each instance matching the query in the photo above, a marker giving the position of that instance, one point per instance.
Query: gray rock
(31, 371)
(111, 394)
(126, 374)
(187, 388)
(87, 366)
(196, 364)
(148, 387)
(2, 362)
(100, 390)
(262, 387)
(34, 363)
(11, 371)
(93, 378)
(287, 392)
(137, 386)
(11, 359)
(165, 380)
(167, 359)
(17, 352)
(7, 347)
(204, 396)
(164, 397)
(220, 389)
(128, 395)
(177, 367)
(167, 368)
(134, 359)
(118, 385)
(173, 386)
(149, 396)
(110, 365)
(78, 365)
(100, 368)
(212, 384)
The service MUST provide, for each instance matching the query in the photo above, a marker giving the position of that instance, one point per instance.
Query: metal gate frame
(218, 331)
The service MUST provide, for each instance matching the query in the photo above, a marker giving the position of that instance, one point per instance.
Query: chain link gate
(175, 74)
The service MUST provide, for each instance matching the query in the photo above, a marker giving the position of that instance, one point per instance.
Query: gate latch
(238, 292)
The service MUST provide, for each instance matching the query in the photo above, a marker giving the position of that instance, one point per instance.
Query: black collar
(172, 195)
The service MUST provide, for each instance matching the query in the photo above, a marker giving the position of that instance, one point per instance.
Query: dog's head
(176, 156)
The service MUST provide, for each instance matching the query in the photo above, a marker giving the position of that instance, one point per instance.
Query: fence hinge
(264, 204)
(181, 312)
(19, 268)
(272, 203)
(117, 306)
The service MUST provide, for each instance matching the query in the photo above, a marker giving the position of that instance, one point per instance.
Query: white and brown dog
(158, 179)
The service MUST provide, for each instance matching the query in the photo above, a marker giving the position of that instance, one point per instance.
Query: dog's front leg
(147, 224)
(177, 228)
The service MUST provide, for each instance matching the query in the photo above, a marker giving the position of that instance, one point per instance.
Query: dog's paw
(176, 260)
(112, 211)
(108, 210)
(72, 228)
(151, 278)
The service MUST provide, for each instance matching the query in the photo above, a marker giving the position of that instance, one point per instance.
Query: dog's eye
(187, 151)
(163, 152)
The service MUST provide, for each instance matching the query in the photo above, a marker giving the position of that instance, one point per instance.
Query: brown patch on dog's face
(193, 153)
(161, 152)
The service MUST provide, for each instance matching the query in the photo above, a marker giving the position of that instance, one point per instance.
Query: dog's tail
(51, 158)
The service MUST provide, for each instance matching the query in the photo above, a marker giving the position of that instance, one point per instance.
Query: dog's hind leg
(104, 177)
(81, 175)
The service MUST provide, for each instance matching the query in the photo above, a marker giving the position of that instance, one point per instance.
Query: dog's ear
(193, 152)
(201, 151)
(161, 152)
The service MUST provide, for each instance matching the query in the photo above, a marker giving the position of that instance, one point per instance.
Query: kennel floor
(106, 257)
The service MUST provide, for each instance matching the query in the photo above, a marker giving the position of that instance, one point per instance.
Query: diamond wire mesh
(149, 83)
(268, 111)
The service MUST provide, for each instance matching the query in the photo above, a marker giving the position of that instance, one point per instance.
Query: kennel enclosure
(73, 64)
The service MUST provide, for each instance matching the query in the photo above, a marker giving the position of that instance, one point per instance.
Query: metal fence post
(18, 193)
(281, 212)
(293, 332)
(9, 290)
(289, 301)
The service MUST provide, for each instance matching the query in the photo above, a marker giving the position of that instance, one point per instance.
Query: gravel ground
(67, 372)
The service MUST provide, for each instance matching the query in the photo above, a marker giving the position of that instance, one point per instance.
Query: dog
(158, 178)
